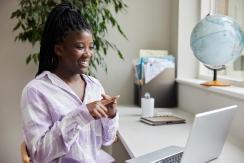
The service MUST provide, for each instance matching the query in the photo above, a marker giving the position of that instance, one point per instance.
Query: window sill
(231, 91)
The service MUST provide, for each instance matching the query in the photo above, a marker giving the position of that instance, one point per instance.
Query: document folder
(163, 88)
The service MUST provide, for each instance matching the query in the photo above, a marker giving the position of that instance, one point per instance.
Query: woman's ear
(58, 49)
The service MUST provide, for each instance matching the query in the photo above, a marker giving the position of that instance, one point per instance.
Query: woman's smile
(84, 63)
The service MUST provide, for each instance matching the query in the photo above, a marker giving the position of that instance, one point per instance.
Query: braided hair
(62, 20)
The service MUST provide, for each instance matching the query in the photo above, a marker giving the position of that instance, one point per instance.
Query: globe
(217, 40)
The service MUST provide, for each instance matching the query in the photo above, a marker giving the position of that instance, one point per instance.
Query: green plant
(32, 14)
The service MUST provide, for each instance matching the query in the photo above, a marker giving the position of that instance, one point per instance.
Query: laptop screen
(208, 135)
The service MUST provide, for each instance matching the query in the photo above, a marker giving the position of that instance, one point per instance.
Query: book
(162, 120)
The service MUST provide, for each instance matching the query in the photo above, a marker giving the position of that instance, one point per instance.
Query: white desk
(139, 138)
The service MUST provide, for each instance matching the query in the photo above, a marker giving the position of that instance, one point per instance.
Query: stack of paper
(153, 53)
(150, 64)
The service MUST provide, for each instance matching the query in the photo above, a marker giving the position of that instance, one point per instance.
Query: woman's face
(75, 52)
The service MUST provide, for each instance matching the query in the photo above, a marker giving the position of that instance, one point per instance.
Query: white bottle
(147, 105)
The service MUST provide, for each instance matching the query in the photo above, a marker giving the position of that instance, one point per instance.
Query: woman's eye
(83, 47)
(91, 47)
(80, 47)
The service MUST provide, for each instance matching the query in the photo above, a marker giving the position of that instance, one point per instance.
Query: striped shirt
(57, 125)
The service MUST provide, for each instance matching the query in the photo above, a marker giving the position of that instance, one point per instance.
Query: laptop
(204, 144)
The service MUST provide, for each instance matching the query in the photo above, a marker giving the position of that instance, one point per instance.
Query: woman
(65, 118)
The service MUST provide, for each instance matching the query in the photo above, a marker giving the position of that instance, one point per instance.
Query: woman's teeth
(84, 63)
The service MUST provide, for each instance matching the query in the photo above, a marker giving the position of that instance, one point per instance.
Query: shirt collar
(55, 80)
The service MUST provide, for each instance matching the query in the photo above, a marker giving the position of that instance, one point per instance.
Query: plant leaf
(17, 26)
(28, 59)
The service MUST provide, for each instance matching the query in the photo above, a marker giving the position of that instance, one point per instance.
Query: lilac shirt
(57, 125)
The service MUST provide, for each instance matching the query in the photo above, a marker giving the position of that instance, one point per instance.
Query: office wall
(174, 27)
(13, 76)
(147, 25)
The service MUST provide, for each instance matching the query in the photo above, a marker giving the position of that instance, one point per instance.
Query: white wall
(174, 27)
(147, 25)
(14, 75)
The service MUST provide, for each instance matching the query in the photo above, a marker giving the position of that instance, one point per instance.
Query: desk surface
(139, 138)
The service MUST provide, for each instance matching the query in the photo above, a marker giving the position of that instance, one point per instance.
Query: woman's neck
(67, 77)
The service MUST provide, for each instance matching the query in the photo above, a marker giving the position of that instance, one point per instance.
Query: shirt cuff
(110, 121)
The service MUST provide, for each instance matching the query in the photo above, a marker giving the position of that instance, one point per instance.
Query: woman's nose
(88, 52)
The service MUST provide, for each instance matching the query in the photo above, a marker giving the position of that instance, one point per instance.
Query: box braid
(62, 20)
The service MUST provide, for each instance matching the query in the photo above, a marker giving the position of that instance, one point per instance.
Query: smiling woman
(75, 52)
(64, 115)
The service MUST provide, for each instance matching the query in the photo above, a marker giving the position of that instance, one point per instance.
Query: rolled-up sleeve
(47, 140)
(110, 127)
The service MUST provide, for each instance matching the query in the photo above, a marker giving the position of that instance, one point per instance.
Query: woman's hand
(97, 110)
(112, 106)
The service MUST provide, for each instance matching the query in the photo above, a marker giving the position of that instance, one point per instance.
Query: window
(234, 71)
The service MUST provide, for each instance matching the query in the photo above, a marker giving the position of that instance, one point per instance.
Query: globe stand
(215, 82)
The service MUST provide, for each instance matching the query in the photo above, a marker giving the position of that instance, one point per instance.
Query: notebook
(162, 120)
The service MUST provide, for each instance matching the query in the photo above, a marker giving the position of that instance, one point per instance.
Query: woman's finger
(106, 102)
(115, 101)
(97, 114)
(102, 112)
(106, 96)
(101, 105)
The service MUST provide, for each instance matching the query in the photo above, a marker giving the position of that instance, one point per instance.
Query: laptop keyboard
(172, 159)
